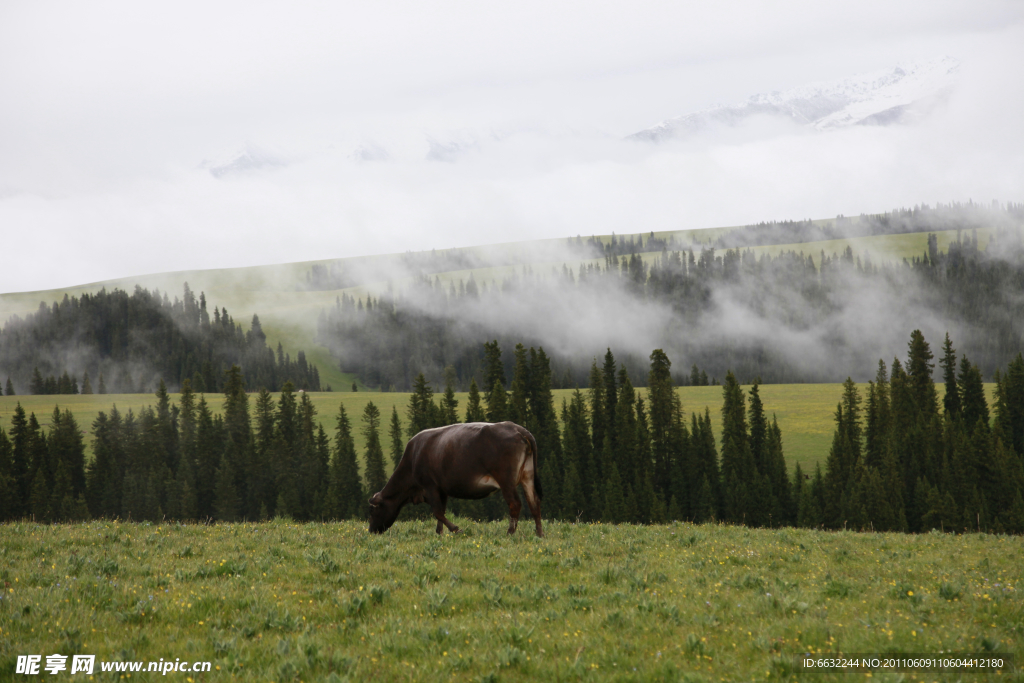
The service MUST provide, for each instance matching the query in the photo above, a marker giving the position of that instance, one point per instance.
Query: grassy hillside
(805, 411)
(289, 312)
(329, 602)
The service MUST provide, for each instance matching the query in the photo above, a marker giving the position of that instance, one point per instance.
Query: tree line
(127, 343)
(904, 461)
(899, 461)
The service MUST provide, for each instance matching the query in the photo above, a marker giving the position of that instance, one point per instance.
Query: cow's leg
(514, 506)
(438, 503)
(534, 503)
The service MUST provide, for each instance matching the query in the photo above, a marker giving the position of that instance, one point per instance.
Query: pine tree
(876, 431)
(518, 407)
(227, 502)
(21, 461)
(38, 386)
(582, 496)
(663, 402)
(39, 500)
(102, 386)
(207, 457)
(971, 389)
(951, 400)
(346, 492)
(474, 411)
(614, 509)
(1009, 418)
(597, 404)
(375, 476)
(9, 497)
(494, 383)
(239, 439)
(10, 387)
(497, 403)
(611, 396)
(263, 495)
(86, 385)
(421, 411)
(778, 479)
(449, 410)
(737, 462)
(919, 370)
(188, 507)
(395, 434)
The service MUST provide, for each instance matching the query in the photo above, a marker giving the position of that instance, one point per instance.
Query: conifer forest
(901, 459)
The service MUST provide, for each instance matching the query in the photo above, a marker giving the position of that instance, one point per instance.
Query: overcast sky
(381, 127)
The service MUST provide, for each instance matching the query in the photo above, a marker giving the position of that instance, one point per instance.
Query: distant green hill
(288, 307)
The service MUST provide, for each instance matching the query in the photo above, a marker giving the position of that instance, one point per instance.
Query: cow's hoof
(456, 530)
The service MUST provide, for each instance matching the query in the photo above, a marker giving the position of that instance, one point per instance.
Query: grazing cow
(462, 461)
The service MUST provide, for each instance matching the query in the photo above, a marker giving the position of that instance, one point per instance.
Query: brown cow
(462, 461)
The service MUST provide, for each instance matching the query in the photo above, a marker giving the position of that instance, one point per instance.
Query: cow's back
(467, 460)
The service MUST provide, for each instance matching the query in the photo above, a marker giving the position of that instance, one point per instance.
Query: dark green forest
(115, 342)
(790, 318)
(901, 460)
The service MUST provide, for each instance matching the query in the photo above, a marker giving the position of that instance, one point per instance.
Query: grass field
(805, 411)
(329, 602)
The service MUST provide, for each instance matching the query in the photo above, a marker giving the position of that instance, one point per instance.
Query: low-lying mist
(794, 317)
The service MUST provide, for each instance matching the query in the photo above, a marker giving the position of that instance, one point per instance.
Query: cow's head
(383, 513)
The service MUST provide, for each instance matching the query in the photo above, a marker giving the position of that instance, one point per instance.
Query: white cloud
(113, 107)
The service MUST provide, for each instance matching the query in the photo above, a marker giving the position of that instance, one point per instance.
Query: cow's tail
(536, 465)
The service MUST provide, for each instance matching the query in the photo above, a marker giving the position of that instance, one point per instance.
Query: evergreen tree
(449, 409)
(346, 491)
(422, 411)
(474, 411)
(518, 407)
(239, 445)
(39, 500)
(971, 389)
(497, 403)
(611, 396)
(1009, 419)
(919, 370)
(38, 386)
(9, 496)
(102, 387)
(395, 434)
(21, 462)
(375, 476)
(583, 493)
(263, 492)
(10, 386)
(737, 462)
(494, 383)
(951, 400)
(188, 506)
(646, 498)
(227, 502)
(663, 401)
(876, 431)
(86, 385)
(207, 457)
(598, 405)
(778, 479)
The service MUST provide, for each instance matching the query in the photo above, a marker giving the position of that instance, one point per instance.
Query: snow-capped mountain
(249, 159)
(900, 95)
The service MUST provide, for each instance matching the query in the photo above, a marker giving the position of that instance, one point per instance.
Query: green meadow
(804, 411)
(279, 601)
